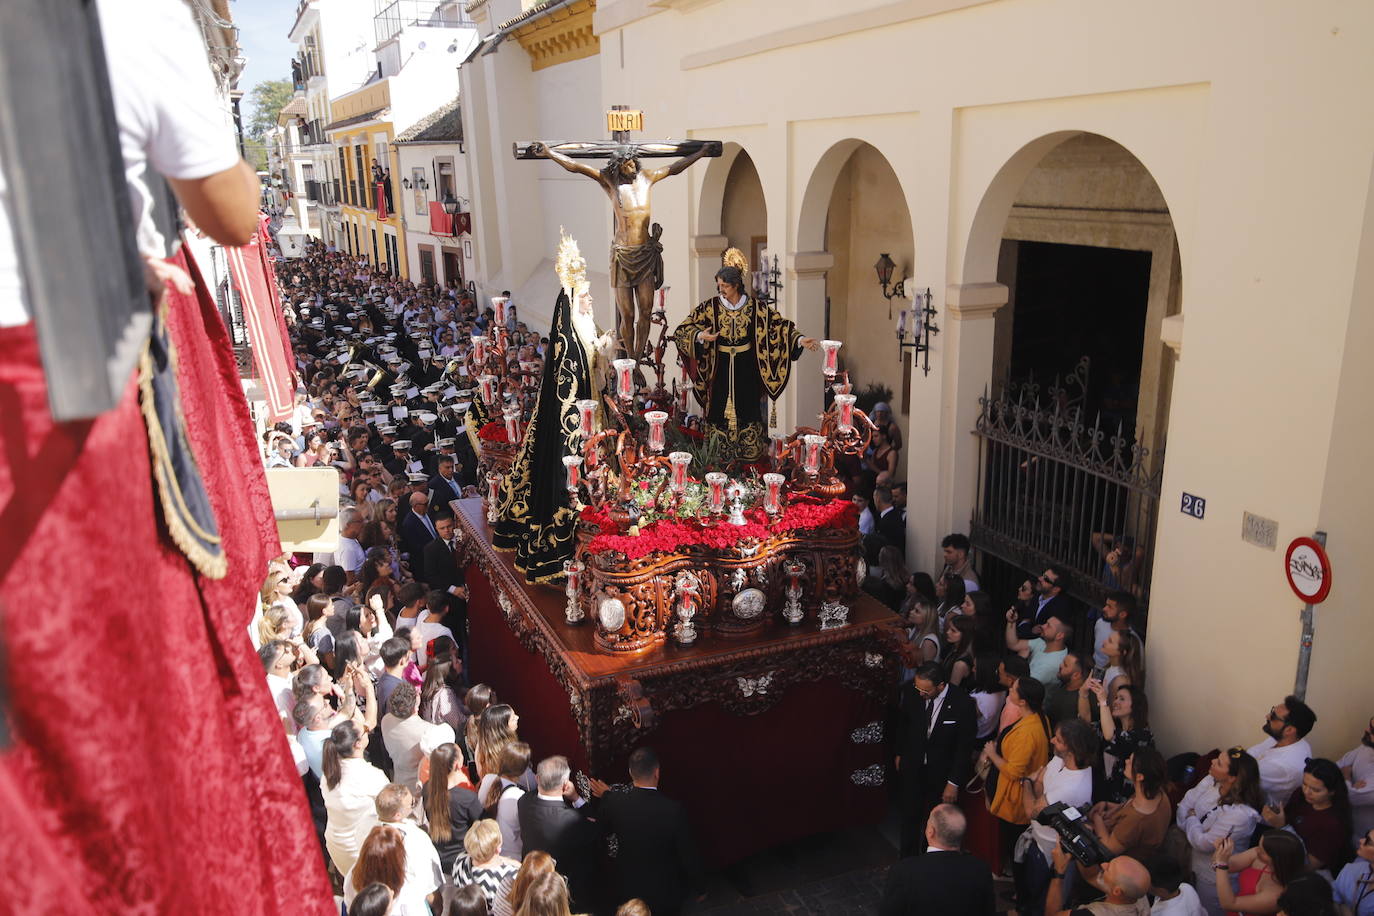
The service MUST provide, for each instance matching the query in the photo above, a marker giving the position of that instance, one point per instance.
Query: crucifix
(636, 263)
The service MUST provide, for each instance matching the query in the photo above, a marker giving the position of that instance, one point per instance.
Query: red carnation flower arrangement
(671, 536)
(493, 432)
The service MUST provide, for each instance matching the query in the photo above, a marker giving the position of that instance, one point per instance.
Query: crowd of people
(425, 798)
(1008, 717)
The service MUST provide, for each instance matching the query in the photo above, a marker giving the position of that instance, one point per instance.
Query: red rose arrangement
(493, 432)
(672, 536)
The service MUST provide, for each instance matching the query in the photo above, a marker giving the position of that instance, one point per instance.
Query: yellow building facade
(361, 134)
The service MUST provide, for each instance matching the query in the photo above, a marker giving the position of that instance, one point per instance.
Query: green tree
(267, 99)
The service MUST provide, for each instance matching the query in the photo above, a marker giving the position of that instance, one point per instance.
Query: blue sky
(263, 25)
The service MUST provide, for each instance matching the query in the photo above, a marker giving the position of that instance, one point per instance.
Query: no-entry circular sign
(1308, 570)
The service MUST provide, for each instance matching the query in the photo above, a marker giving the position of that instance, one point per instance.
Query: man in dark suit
(889, 525)
(444, 486)
(552, 820)
(936, 726)
(444, 572)
(656, 859)
(417, 531)
(945, 881)
(1050, 602)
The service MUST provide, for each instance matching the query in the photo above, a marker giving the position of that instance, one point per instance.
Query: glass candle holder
(498, 303)
(830, 349)
(776, 445)
(512, 418)
(486, 384)
(811, 453)
(573, 463)
(656, 419)
(716, 482)
(772, 493)
(573, 570)
(479, 349)
(493, 488)
(624, 378)
(682, 399)
(586, 417)
(679, 461)
(845, 404)
(592, 455)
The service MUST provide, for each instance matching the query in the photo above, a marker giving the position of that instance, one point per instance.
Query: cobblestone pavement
(836, 874)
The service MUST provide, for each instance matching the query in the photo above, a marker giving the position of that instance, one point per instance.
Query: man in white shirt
(1283, 754)
(429, 627)
(867, 524)
(350, 554)
(277, 659)
(1173, 896)
(1358, 768)
(1067, 778)
(423, 871)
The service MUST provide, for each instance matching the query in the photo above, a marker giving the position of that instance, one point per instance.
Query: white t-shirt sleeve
(350, 555)
(188, 131)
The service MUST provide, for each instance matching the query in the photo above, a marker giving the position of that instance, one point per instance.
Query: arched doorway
(853, 211)
(733, 213)
(1071, 434)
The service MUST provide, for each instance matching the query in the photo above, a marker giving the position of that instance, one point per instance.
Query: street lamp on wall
(885, 267)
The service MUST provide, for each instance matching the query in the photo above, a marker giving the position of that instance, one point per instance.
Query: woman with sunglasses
(1354, 887)
(1225, 804)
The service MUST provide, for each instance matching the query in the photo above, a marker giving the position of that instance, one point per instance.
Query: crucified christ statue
(636, 254)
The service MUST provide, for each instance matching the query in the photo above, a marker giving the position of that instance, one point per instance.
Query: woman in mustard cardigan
(1019, 752)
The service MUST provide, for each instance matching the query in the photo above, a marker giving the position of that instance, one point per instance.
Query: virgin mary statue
(535, 518)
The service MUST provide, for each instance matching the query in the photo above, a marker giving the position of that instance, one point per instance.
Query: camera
(1074, 833)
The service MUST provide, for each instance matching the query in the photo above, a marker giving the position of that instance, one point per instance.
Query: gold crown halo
(733, 257)
(571, 268)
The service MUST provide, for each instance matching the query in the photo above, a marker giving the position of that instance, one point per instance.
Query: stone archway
(732, 211)
(852, 211)
(1077, 201)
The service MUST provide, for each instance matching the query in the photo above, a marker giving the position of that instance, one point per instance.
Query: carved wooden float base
(779, 713)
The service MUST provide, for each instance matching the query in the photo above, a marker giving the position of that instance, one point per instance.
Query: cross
(636, 261)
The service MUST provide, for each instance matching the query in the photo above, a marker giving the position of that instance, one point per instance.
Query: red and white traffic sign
(1308, 570)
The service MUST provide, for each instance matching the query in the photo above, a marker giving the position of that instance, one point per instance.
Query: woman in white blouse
(350, 790)
(1225, 804)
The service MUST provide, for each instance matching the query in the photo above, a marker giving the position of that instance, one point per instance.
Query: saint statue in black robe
(736, 353)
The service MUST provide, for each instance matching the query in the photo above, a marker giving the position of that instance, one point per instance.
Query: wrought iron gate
(1052, 490)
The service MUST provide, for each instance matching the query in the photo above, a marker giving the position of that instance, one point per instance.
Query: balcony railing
(398, 15)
